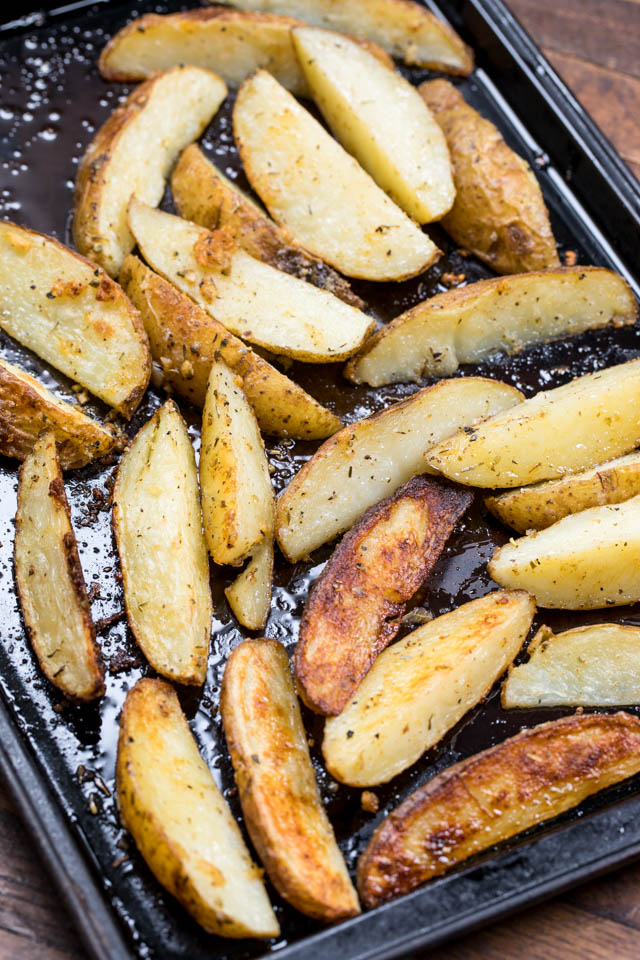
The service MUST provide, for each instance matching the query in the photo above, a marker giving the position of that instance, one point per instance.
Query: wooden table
(595, 46)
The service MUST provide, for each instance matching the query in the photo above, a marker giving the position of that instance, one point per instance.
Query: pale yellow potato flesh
(249, 595)
(320, 193)
(165, 570)
(587, 421)
(51, 587)
(179, 820)
(370, 459)
(133, 153)
(421, 686)
(371, 110)
(506, 314)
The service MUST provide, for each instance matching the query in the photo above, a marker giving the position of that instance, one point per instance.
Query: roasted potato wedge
(280, 800)
(249, 595)
(371, 109)
(51, 587)
(356, 606)
(158, 527)
(494, 795)
(133, 152)
(421, 686)
(370, 459)
(73, 315)
(587, 421)
(180, 821)
(250, 298)
(468, 324)
(313, 187)
(499, 213)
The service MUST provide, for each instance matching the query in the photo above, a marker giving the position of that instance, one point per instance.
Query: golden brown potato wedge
(280, 800)
(499, 213)
(421, 686)
(370, 459)
(69, 312)
(494, 795)
(158, 527)
(468, 324)
(314, 188)
(249, 595)
(51, 587)
(180, 821)
(356, 606)
(133, 152)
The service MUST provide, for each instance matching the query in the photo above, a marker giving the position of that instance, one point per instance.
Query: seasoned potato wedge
(280, 800)
(538, 506)
(468, 324)
(158, 527)
(356, 606)
(585, 561)
(73, 315)
(499, 213)
(133, 153)
(494, 795)
(27, 408)
(371, 109)
(313, 187)
(49, 579)
(249, 595)
(370, 459)
(180, 821)
(422, 685)
(250, 298)
(587, 421)
(204, 195)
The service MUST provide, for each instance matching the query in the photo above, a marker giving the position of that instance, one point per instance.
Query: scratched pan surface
(53, 101)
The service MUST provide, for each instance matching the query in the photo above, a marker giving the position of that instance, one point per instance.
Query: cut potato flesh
(249, 595)
(280, 800)
(133, 153)
(506, 314)
(420, 687)
(371, 458)
(494, 795)
(180, 821)
(587, 421)
(165, 570)
(49, 578)
(371, 109)
(311, 185)
(73, 315)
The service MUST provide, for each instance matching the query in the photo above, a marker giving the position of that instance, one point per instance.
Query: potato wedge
(27, 408)
(506, 314)
(73, 315)
(494, 795)
(538, 506)
(370, 459)
(371, 109)
(133, 153)
(251, 299)
(586, 561)
(158, 526)
(249, 595)
(406, 30)
(180, 821)
(280, 800)
(311, 185)
(587, 421)
(356, 606)
(205, 196)
(51, 587)
(421, 686)
(499, 213)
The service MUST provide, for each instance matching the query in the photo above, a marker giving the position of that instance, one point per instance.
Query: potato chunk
(249, 595)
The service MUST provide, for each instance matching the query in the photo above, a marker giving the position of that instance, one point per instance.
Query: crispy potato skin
(277, 786)
(356, 606)
(494, 795)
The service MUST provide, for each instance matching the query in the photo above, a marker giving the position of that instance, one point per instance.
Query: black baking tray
(58, 760)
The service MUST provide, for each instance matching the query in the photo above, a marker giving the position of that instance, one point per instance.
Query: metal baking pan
(58, 759)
